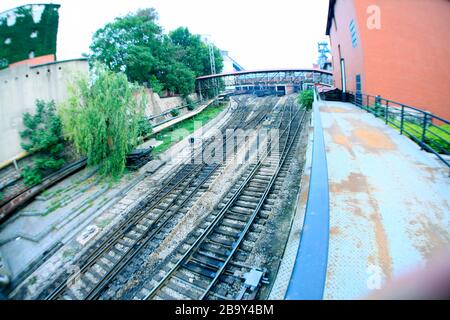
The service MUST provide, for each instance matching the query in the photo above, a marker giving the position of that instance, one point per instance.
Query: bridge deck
(389, 209)
(389, 202)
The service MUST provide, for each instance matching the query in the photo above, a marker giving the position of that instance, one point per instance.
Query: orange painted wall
(408, 58)
(340, 36)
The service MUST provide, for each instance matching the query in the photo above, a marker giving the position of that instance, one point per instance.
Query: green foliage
(435, 136)
(31, 176)
(175, 112)
(135, 44)
(42, 136)
(102, 118)
(306, 99)
(192, 52)
(183, 128)
(438, 140)
(144, 127)
(190, 104)
(154, 83)
(42, 130)
(21, 42)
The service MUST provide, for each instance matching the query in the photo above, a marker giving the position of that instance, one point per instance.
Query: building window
(358, 82)
(343, 77)
(353, 33)
(358, 90)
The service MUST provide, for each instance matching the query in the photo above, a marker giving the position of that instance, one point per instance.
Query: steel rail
(121, 230)
(255, 212)
(127, 224)
(208, 230)
(146, 237)
(24, 195)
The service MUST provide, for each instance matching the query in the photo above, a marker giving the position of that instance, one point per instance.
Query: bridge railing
(430, 132)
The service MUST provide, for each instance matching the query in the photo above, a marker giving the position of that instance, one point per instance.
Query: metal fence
(430, 132)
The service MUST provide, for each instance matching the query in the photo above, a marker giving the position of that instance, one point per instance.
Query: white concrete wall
(20, 86)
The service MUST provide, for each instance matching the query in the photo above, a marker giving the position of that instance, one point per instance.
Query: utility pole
(212, 62)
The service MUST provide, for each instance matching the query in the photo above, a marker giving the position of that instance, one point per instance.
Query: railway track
(18, 194)
(210, 264)
(146, 226)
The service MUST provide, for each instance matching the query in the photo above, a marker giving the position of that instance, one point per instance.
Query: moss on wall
(33, 31)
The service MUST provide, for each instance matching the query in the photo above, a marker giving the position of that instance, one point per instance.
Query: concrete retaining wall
(20, 86)
(157, 105)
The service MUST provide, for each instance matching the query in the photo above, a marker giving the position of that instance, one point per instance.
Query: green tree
(103, 117)
(131, 44)
(306, 99)
(193, 52)
(42, 137)
(178, 79)
(134, 44)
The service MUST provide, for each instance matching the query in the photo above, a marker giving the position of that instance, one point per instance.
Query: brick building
(398, 49)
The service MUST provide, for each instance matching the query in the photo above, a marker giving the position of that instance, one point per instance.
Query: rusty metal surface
(389, 202)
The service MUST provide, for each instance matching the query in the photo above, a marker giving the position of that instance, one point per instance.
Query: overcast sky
(257, 33)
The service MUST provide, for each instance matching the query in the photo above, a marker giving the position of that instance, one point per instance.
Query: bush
(175, 112)
(306, 99)
(43, 138)
(144, 127)
(31, 176)
(190, 104)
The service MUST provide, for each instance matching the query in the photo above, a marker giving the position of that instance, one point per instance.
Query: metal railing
(429, 131)
(165, 113)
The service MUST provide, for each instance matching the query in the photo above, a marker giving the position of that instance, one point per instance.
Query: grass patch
(180, 130)
(68, 253)
(104, 223)
(436, 138)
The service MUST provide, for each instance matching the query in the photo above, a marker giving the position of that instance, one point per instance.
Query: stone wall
(157, 105)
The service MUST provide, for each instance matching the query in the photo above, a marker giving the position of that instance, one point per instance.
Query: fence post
(402, 119)
(424, 130)
(386, 114)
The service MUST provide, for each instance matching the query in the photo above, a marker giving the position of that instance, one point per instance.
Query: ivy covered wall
(28, 31)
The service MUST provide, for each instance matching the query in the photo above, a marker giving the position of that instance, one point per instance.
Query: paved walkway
(389, 202)
(185, 116)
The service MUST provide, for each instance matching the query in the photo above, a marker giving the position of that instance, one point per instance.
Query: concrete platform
(389, 202)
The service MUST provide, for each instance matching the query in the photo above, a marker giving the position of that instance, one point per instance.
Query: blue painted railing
(310, 269)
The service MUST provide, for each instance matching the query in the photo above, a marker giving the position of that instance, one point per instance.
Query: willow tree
(102, 117)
